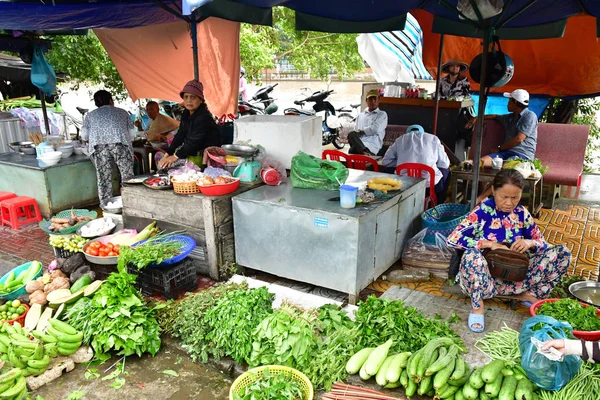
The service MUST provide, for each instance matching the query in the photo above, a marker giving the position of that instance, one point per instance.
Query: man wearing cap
(520, 129)
(454, 85)
(367, 137)
(417, 146)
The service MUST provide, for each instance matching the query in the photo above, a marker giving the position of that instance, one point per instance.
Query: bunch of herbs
(381, 319)
(166, 314)
(579, 317)
(232, 320)
(189, 323)
(271, 386)
(328, 362)
(117, 319)
(285, 337)
(153, 251)
(332, 318)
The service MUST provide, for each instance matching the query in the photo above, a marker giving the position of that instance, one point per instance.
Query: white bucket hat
(520, 95)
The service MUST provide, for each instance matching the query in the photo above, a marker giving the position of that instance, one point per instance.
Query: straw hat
(163, 124)
(455, 61)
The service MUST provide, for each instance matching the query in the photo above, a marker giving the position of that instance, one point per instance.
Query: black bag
(507, 264)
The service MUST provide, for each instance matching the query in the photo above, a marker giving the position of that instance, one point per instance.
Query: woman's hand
(522, 245)
(167, 161)
(495, 246)
(558, 344)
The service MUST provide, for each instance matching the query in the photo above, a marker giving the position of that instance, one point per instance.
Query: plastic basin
(220, 189)
(20, 291)
(585, 335)
(21, 319)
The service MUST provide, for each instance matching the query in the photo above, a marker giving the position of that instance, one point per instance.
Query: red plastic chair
(335, 155)
(361, 162)
(19, 211)
(416, 170)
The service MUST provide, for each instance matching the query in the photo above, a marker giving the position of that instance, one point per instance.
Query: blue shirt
(525, 122)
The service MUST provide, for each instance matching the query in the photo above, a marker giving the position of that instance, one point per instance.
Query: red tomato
(102, 252)
(112, 254)
(109, 246)
(93, 252)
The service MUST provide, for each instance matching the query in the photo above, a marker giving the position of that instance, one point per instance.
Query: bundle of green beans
(501, 345)
(582, 386)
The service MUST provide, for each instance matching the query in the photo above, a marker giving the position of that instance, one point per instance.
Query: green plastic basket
(252, 375)
(45, 225)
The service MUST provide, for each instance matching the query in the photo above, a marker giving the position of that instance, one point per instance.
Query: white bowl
(47, 162)
(66, 151)
(79, 150)
(51, 155)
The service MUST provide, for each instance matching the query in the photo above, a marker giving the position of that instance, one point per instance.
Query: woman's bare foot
(527, 297)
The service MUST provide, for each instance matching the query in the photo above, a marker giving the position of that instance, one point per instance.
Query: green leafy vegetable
(166, 316)
(561, 291)
(333, 318)
(285, 337)
(271, 387)
(189, 323)
(118, 383)
(170, 372)
(153, 251)
(117, 318)
(381, 319)
(91, 373)
(76, 395)
(579, 317)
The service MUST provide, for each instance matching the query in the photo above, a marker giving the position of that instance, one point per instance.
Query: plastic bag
(547, 374)
(487, 8)
(42, 73)
(310, 172)
(276, 165)
(436, 257)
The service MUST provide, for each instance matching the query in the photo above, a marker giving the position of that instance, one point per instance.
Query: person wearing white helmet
(243, 96)
(520, 129)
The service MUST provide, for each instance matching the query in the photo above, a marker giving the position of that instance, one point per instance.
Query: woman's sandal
(476, 319)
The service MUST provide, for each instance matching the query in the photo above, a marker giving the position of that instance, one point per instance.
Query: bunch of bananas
(28, 355)
(13, 385)
(62, 338)
(384, 184)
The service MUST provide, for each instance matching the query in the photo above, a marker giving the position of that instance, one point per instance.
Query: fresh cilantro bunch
(117, 319)
(381, 319)
(579, 317)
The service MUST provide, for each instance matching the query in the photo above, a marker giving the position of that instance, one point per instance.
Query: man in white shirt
(367, 137)
(417, 146)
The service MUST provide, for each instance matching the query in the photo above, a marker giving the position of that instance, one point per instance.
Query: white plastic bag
(487, 8)
(524, 168)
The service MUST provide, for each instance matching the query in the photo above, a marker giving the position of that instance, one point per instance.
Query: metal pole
(194, 32)
(45, 112)
(436, 104)
(480, 117)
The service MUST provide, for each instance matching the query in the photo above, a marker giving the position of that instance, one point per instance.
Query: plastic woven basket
(45, 225)
(21, 318)
(185, 187)
(252, 375)
(443, 219)
(187, 245)
(62, 253)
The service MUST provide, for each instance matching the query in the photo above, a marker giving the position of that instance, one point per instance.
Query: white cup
(497, 163)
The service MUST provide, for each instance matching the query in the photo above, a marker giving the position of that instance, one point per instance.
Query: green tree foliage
(319, 53)
(83, 58)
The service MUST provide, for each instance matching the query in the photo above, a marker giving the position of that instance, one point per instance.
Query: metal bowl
(240, 150)
(22, 147)
(112, 210)
(587, 292)
(113, 260)
(108, 232)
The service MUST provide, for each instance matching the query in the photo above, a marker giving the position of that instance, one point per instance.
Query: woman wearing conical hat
(454, 85)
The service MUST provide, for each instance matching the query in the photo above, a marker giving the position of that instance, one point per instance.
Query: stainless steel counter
(300, 234)
(31, 162)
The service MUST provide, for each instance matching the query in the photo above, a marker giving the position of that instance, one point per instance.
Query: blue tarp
(496, 104)
(331, 16)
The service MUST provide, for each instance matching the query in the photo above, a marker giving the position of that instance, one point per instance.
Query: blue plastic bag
(545, 373)
(42, 73)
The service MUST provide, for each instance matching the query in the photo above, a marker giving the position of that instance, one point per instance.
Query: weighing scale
(249, 170)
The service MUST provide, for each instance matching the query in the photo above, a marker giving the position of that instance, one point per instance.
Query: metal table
(300, 234)
(533, 187)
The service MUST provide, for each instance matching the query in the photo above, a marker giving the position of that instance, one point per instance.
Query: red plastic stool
(19, 211)
(6, 196)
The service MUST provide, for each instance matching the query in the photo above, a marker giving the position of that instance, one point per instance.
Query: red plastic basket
(220, 190)
(21, 319)
(585, 335)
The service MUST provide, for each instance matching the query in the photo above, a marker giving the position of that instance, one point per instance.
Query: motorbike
(323, 108)
(260, 104)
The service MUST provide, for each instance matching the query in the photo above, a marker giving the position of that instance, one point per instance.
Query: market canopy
(521, 18)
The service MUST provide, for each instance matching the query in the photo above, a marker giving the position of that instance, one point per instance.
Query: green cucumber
(509, 386)
(451, 391)
(411, 388)
(412, 365)
(442, 362)
(492, 389)
(395, 369)
(392, 385)
(404, 378)
(442, 376)
(460, 369)
(426, 385)
(490, 371)
(459, 395)
(506, 371)
(524, 390)
(357, 360)
(363, 373)
(80, 284)
(376, 358)
(380, 376)
(469, 392)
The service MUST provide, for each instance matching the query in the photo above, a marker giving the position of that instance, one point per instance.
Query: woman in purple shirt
(501, 223)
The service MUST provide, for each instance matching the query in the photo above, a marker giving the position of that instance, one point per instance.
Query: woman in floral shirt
(501, 223)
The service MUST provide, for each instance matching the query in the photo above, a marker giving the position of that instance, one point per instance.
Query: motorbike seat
(299, 102)
(355, 105)
(82, 111)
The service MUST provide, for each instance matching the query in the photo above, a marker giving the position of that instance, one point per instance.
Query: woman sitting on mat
(501, 223)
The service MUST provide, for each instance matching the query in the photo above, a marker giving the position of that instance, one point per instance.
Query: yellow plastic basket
(252, 375)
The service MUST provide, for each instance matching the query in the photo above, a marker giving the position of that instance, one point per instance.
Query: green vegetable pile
(379, 320)
(582, 386)
(153, 251)
(31, 102)
(271, 387)
(561, 291)
(166, 314)
(117, 319)
(579, 317)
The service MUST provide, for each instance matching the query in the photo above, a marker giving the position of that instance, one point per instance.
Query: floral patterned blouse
(486, 222)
